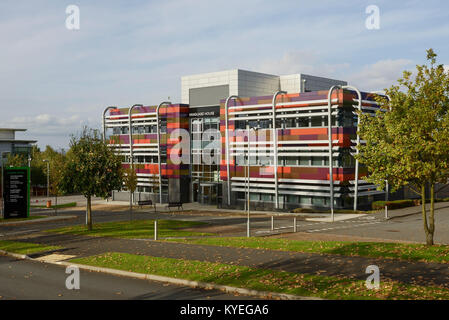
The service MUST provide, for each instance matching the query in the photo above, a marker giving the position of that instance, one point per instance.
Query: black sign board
(204, 112)
(17, 193)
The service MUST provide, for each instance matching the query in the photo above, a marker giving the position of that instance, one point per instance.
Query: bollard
(386, 212)
(155, 230)
(272, 223)
(294, 224)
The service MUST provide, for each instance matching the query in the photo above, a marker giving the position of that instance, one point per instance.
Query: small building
(9, 143)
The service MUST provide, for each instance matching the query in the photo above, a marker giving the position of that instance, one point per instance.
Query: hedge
(397, 204)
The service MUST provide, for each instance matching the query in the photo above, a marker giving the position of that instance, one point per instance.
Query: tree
(16, 160)
(92, 169)
(130, 182)
(57, 163)
(407, 143)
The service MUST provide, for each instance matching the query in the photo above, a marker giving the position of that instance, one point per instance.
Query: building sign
(201, 112)
(17, 193)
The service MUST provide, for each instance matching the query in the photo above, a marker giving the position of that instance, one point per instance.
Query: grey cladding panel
(208, 96)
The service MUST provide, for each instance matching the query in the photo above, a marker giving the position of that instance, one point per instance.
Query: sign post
(17, 192)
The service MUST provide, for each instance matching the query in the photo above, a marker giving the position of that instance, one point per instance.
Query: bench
(175, 204)
(141, 203)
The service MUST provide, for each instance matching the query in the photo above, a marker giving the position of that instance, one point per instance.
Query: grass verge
(141, 229)
(25, 247)
(59, 206)
(410, 252)
(262, 279)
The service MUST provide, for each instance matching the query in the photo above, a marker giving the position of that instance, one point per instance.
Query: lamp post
(3, 192)
(248, 234)
(48, 178)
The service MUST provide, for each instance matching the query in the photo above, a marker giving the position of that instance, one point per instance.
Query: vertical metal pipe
(294, 225)
(272, 223)
(275, 148)
(159, 147)
(104, 120)
(48, 179)
(386, 199)
(130, 133)
(228, 177)
(356, 182)
(329, 133)
(249, 154)
(155, 229)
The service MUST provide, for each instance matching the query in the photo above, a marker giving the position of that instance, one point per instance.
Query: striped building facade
(289, 150)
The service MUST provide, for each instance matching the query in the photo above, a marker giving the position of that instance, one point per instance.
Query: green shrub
(397, 204)
(306, 210)
(310, 210)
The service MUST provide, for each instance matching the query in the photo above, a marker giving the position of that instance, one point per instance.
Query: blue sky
(54, 80)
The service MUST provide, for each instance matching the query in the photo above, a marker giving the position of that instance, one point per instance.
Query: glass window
(240, 124)
(317, 161)
(316, 122)
(303, 122)
(318, 201)
(304, 161)
(265, 124)
(253, 123)
(305, 200)
(290, 123)
(291, 198)
(266, 197)
(254, 196)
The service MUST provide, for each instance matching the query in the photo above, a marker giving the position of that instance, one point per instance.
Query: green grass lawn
(21, 219)
(262, 279)
(136, 229)
(25, 247)
(59, 206)
(413, 252)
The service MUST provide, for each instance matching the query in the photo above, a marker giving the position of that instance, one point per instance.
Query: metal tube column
(104, 120)
(228, 177)
(248, 169)
(356, 181)
(130, 133)
(159, 147)
(275, 148)
(329, 133)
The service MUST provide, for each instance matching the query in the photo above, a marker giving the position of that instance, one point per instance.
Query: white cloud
(379, 75)
(370, 77)
(300, 61)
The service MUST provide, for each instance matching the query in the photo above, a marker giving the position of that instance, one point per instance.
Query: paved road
(21, 279)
